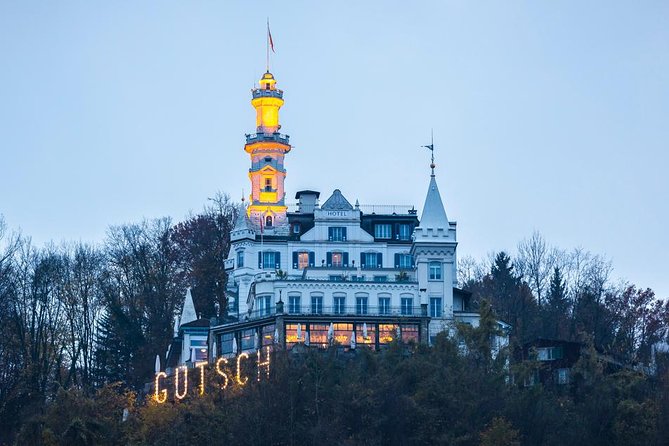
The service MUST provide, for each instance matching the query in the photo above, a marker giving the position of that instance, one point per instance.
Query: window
(357, 278)
(336, 278)
(268, 185)
(268, 221)
(407, 306)
(264, 303)
(384, 231)
(562, 376)
(268, 159)
(226, 343)
(342, 333)
(340, 304)
(435, 307)
(296, 228)
(361, 305)
(294, 305)
(318, 334)
(387, 332)
(549, 353)
(269, 259)
(435, 271)
(384, 305)
(303, 259)
(240, 258)
(248, 339)
(317, 304)
(337, 234)
(363, 336)
(380, 278)
(403, 261)
(268, 334)
(409, 333)
(198, 350)
(337, 259)
(371, 259)
(404, 232)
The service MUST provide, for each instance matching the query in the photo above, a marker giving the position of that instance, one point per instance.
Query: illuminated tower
(267, 148)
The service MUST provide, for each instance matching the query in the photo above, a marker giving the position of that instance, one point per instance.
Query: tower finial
(430, 147)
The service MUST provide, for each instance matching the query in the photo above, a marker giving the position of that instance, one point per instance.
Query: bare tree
(535, 262)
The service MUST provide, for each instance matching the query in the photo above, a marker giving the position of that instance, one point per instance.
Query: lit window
(302, 260)
(384, 231)
(387, 332)
(294, 304)
(337, 259)
(407, 306)
(409, 333)
(435, 307)
(337, 234)
(435, 271)
(240, 258)
(404, 232)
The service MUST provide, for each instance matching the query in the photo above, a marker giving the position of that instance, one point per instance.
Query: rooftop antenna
(430, 147)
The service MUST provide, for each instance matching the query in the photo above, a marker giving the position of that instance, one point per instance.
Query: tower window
(268, 184)
(268, 159)
(268, 221)
(435, 271)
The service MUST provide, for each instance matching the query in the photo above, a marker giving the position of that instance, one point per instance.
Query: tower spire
(430, 147)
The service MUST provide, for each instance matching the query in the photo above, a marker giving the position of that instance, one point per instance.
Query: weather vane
(430, 147)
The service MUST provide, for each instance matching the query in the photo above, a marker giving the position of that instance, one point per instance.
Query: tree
(556, 313)
(500, 433)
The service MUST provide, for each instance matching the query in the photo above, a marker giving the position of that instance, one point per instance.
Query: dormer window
(268, 159)
(268, 221)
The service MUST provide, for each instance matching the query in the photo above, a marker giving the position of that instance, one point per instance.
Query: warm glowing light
(200, 365)
(264, 363)
(160, 396)
(239, 370)
(176, 383)
(221, 372)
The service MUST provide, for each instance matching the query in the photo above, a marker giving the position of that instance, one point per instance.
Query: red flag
(269, 37)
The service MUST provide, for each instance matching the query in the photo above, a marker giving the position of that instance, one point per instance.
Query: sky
(548, 116)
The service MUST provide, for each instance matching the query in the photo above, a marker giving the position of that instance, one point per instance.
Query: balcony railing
(261, 93)
(252, 138)
(347, 310)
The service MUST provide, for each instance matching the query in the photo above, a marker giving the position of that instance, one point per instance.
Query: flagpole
(267, 44)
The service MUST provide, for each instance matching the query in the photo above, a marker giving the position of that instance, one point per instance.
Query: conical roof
(434, 214)
(188, 313)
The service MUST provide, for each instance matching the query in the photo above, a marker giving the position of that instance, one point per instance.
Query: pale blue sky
(547, 115)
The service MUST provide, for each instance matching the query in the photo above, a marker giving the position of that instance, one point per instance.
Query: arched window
(268, 221)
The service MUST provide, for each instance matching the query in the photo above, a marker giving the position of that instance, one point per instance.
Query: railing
(388, 209)
(338, 310)
(269, 277)
(261, 137)
(262, 93)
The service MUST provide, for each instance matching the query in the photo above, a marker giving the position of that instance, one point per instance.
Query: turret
(267, 149)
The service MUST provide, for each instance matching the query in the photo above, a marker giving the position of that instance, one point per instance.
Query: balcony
(252, 138)
(346, 311)
(259, 93)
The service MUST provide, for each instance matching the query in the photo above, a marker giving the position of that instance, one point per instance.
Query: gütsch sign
(230, 371)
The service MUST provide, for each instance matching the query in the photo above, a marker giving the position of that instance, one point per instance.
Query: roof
(337, 202)
(434, 214)
(196, 324)
(188, 313)
(307, 192)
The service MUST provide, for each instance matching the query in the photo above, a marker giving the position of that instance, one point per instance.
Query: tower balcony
(259, 93)
(252, 138)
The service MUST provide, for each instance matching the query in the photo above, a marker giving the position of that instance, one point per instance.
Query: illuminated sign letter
(221, 372)
(200, 365)
(239, 369)
(265, 363)
(159, 395)
(176, 383)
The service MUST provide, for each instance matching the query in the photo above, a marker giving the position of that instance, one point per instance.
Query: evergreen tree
(556, 313)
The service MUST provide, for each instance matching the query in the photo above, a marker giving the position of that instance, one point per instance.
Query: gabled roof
(337, 202)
